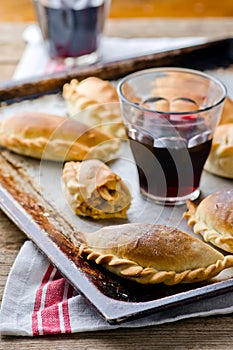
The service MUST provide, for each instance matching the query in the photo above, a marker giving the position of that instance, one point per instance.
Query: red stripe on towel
(65, 310)
(37, 303)
(55, 291)
(51, 307)
(50, 320)
(50, 315)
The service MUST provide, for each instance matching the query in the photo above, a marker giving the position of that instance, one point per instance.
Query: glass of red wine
(170, 115)
(72, 29)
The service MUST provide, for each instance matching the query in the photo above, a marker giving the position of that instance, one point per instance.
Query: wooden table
(15, 10)
(198, 333)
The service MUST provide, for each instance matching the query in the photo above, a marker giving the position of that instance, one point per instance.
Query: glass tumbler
(72, 29)
(170, 115)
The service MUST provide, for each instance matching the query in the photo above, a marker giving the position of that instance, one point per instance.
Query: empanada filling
(107, 193)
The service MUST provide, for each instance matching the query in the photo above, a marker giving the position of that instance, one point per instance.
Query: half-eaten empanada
(93, 189)
(150, 254)
(213, 219)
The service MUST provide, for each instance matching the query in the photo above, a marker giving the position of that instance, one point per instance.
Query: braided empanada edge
(146, 275)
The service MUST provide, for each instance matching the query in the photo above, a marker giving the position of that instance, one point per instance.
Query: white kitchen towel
(38, 301)
(36, 61)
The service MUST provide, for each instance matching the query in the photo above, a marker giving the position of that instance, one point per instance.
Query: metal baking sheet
(31, 195)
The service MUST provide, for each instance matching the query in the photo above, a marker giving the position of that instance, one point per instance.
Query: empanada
(150, 254)
(95, 102)
(52, 137)
(213, 219)
(220, 159)
(93, 189)
(227, 112)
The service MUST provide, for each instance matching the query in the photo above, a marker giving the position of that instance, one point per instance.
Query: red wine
(71, 32)
(168, 168)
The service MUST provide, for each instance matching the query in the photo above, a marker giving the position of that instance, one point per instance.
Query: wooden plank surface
(12, 45)
(198, 333)
(156, 28)
(15, 10)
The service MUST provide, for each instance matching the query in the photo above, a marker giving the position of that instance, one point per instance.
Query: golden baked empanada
(150, 254)
(52, 137)
(93, 189)
(220, 159)
(95, 102)
(213, 219)
(227, 112)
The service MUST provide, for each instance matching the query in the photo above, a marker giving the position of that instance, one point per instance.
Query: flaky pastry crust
(93, 189)
(95, 102)
(52, 137)
(213, 219)
(150, 254)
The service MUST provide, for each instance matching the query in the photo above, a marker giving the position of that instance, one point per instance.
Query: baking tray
(40, 210)
(210, 55)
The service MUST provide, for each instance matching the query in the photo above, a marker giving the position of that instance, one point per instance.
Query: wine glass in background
(72, 29)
